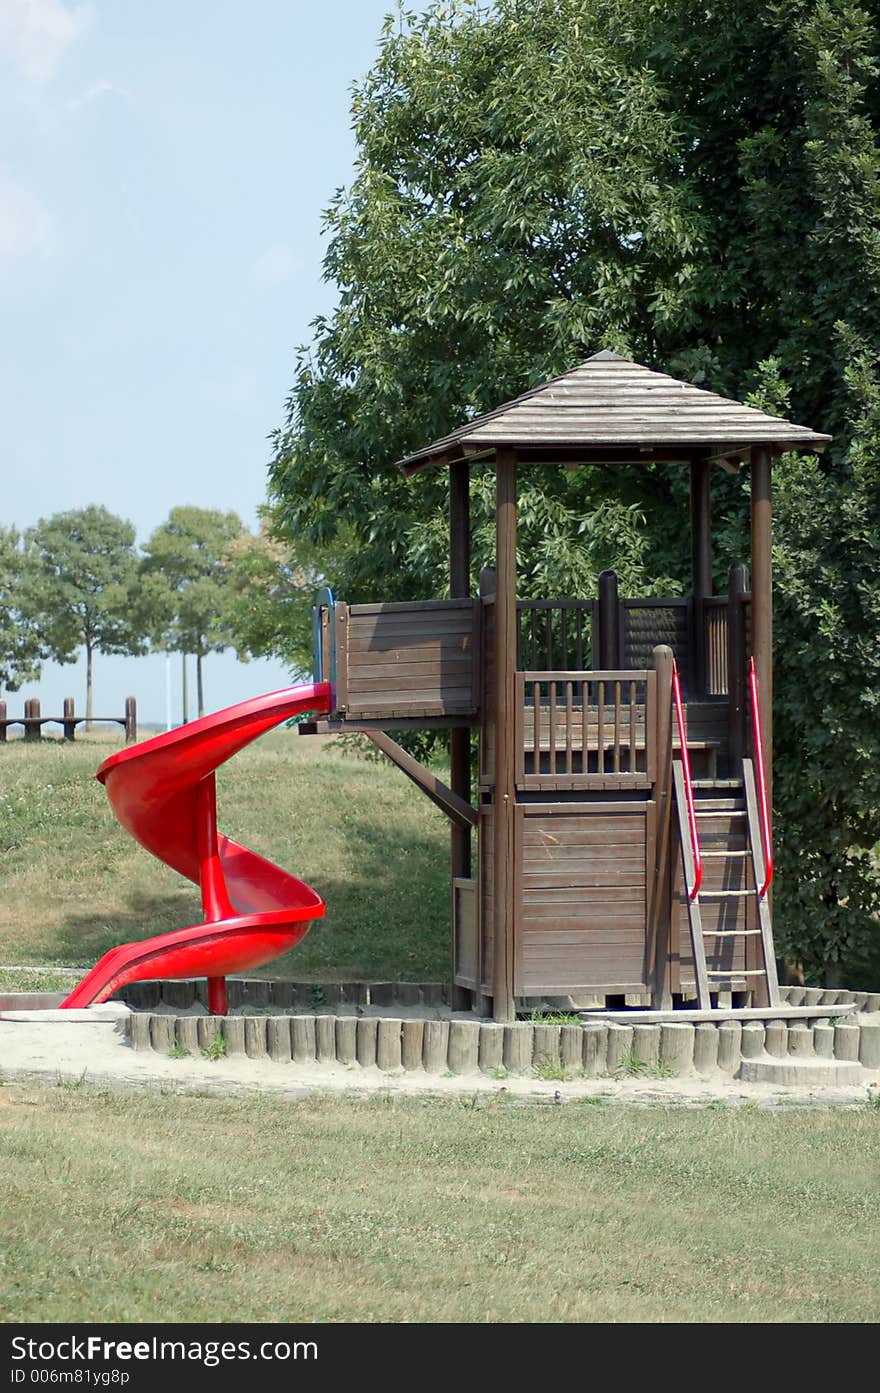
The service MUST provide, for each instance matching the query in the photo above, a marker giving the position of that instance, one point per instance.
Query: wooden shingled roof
(609, 408)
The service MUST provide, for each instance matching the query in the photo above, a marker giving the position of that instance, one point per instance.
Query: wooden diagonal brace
(457, 809)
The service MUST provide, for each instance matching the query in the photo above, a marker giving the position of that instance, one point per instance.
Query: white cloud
(95, 93)
(26, 227)
(36, 34)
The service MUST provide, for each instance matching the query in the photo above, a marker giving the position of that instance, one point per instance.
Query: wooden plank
(768, 951)
(406, 607)
(693, 906)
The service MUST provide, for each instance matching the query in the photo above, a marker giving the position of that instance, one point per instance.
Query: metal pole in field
(167, 691)
(185, 692)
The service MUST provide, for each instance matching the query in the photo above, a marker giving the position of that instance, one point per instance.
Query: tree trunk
(88, 686)
(185, 691)
(200, 691)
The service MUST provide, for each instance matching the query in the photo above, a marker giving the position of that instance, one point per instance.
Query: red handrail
(762, 780)
(688, 784)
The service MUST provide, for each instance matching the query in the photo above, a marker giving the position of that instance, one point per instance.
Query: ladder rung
(731, 933)
(736, 972)
(722, 894)
(723, 812)
(719, 854)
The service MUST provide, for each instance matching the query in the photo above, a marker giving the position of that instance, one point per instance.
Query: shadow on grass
(387, 912)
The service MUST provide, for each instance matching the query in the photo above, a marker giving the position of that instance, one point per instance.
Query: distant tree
(87, 566)
(270, 596)
(185, 580)
(22, 645)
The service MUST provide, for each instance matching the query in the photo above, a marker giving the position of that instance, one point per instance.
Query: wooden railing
(33, 720)
(555, 634)
(585, 730)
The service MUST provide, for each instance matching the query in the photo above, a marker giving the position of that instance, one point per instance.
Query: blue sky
(163, 171)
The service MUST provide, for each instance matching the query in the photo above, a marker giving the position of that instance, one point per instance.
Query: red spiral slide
(163, 792)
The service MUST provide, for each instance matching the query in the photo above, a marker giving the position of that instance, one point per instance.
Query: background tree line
(201, 583)
(694, 186)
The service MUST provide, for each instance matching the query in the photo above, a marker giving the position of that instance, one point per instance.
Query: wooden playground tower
(623, 847)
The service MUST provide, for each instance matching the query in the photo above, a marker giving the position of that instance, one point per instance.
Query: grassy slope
(428, 1210)
(73, 883)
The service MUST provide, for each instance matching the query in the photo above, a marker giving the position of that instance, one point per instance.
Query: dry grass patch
(182, 1208)
(73, 884)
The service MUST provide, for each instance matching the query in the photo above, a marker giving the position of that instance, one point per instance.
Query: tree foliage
(87, 567)
(185, 584)
(22, 647)
(697, 187)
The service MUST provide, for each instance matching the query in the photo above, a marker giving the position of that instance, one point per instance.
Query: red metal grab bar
(688, 784)
(762, 780)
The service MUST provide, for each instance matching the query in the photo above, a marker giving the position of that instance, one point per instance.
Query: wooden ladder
(744, 810)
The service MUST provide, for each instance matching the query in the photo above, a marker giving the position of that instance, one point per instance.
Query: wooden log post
(762, 634)
(131, 724)
(661, 950)
(762, 600)
(737, 589)
(460, 738)
(701, 567)
(609, 622)
(2, 722)
(505, 753)
(69, 719)
(32, 728)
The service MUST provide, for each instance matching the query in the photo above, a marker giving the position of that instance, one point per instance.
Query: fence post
(131, 724)
(609, 622)
(737, 589)
(2, 722)
(32, 728)
(69, 721)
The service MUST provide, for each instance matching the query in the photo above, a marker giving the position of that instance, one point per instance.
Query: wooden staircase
(724, 872)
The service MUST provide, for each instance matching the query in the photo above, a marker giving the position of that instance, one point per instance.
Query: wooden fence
(33, 720)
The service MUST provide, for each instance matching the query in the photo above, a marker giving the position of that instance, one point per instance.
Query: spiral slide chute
(163, 792)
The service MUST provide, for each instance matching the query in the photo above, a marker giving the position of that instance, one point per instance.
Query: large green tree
(88, 566)
(695, 186)
(22, 647)
(185, 584)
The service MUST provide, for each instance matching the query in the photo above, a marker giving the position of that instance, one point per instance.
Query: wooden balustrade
(556, 634)
(585, 730)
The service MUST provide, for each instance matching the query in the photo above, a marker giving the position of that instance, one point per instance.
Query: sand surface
(49, 1046)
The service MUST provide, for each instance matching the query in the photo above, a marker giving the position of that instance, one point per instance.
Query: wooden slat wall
(646, 623)
(410, 660)
(581, 897)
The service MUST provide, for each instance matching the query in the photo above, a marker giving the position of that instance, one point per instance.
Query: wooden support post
(2, 722)
(457, 809)
(701, 566)
(661, 949)
(737, 588)
(131, 723)
(32, 728)
(69, 718)
(460, 738)
(609, 622)
(505, 787)
(762, 600)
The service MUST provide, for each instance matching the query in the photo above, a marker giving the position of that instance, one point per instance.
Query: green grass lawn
(140, 1208)
(73, 883)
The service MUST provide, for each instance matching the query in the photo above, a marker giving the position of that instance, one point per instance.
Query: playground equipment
(621, 849)
(163, 792)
